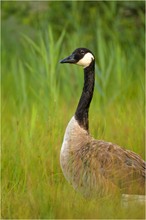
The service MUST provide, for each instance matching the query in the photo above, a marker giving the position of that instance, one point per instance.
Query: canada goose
(95, 167)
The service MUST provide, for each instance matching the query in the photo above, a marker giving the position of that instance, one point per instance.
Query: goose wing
(124, 168)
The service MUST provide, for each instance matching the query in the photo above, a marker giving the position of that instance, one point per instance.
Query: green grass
(32, 179)
(39, 96)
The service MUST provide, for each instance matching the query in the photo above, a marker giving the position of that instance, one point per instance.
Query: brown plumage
(94, 167)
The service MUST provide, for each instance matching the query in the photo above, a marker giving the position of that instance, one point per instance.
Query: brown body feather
(99, 168)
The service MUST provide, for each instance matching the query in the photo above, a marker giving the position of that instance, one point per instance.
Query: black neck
(81, 113)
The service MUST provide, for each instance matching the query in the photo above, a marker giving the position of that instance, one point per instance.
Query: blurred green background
(39, 96)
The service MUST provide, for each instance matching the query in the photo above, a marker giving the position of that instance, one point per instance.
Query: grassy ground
(39, 96)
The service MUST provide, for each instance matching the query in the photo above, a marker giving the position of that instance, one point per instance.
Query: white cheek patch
(86, 60)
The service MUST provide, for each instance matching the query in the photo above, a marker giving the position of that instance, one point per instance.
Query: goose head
(81, 56)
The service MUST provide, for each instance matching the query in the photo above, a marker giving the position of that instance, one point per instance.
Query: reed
(38, 98)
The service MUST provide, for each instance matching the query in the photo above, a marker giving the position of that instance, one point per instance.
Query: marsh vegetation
(39, 96)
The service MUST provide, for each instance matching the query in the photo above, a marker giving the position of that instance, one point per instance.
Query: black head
(80, 56)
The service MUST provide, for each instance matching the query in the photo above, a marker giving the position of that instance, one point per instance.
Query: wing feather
(123, 168)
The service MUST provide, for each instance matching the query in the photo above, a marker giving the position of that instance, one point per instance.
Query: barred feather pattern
(97, 168)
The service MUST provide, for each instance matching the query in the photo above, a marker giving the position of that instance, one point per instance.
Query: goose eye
(82, 52)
